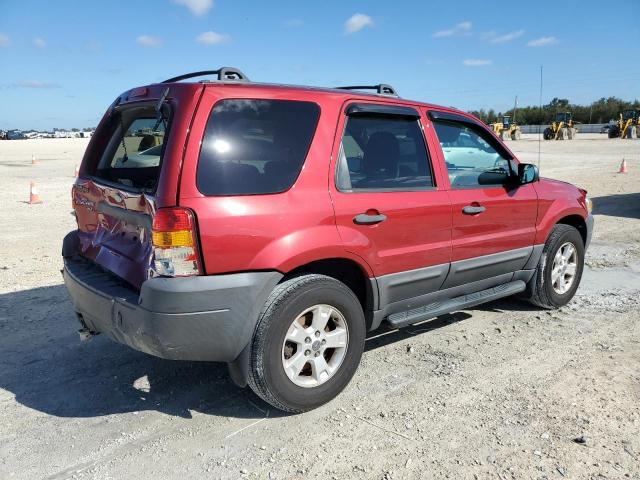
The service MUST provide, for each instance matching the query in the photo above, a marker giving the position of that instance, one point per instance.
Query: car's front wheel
(559, 270)
(307, 344)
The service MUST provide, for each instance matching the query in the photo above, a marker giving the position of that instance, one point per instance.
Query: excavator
(627, 125)
(563, 128)
(506, 129)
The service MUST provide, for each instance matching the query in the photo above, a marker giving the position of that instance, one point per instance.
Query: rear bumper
(208, 318)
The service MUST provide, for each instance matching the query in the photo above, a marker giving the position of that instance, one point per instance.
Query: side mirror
(527, 173)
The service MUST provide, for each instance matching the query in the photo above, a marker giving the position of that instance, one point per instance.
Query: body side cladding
(402, 291)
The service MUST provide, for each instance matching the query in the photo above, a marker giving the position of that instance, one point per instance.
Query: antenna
(540, 127)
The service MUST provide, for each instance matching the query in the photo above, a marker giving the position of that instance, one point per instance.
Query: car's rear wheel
(307, 344)
(559, 270)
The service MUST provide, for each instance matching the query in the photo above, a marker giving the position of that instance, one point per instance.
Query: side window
(470, 158)
(383, 152)
(255, 146)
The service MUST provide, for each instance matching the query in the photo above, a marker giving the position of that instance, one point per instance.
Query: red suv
(271, 227)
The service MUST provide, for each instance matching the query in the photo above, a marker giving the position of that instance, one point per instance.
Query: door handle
(365, 219)
(473, 209)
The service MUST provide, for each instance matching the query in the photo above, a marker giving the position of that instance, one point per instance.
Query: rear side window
(133, 154)
(255, 146)
(383, 152)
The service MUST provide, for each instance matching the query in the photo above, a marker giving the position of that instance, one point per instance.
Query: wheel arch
(578, 223)
(348, 271)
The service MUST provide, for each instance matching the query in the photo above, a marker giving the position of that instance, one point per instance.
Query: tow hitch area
(86, 334)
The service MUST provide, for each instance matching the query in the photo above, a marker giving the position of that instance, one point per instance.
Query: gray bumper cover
(589, 223)
(209, 318)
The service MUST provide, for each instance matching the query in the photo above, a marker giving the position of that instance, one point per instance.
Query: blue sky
(62, 63)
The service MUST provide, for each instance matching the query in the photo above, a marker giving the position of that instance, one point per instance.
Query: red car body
(309, 224)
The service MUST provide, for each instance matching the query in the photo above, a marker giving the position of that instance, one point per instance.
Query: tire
(516, 135)
(540, 289)
(286, 304)
(548, 134)
(564, 134)
(632, 132)
(614, 132)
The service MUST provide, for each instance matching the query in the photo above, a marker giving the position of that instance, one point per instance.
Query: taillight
(175, 246)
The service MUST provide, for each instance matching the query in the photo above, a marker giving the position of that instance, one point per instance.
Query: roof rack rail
(381, 89)
(224, 74)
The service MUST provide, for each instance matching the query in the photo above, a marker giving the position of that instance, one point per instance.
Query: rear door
(114, 197)
(390, 206)
(493, 220)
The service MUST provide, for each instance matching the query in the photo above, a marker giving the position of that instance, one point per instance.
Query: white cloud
(4, 40)
(35, 84)
(476, 62)
(507, 37)
(212, 38)
(357, 22)
(542, 42)
(148, 41)
(462, 28)
(39, 42)
(198, 7)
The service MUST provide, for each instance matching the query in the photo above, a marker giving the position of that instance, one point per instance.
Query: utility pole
(515, 109)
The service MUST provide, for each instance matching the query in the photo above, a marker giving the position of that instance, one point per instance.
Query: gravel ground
(501, 391)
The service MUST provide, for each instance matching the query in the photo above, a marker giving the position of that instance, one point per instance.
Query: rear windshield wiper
(161, 117)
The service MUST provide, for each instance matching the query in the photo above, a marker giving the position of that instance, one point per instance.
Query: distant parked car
(606, 128)
(15, 135)
(3, 135)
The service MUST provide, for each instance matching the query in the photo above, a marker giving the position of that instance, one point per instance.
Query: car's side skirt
(406, 291)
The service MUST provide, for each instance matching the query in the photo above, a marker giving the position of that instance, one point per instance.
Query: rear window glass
(255, 146)
(132, 157)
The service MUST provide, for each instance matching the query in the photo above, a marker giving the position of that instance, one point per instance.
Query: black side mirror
(527, 173)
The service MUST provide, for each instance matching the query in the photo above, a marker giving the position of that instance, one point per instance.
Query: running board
(402, 319)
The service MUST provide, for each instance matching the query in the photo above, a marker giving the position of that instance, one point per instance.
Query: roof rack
(381, 89)
(224, 74)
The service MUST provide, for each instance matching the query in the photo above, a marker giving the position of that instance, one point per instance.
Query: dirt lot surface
(501, 391)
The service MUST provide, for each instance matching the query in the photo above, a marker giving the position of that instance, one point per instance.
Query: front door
(493, 219)
(390, 207)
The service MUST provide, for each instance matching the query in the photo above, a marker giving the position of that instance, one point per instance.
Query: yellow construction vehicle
(627, 125)
(563, 128)
(506, 129)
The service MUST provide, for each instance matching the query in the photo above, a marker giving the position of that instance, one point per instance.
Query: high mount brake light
(139, 92)
(175, 247)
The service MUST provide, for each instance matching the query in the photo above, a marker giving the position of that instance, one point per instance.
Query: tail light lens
(175, 246)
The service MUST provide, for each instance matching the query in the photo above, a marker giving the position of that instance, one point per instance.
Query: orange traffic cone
(623, 166)
(76, 173)
(33, 194)
(33, 160)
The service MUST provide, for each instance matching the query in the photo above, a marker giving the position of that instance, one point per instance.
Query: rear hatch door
(115, 197)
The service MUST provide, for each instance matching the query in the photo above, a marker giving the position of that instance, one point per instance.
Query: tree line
(600, 111)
